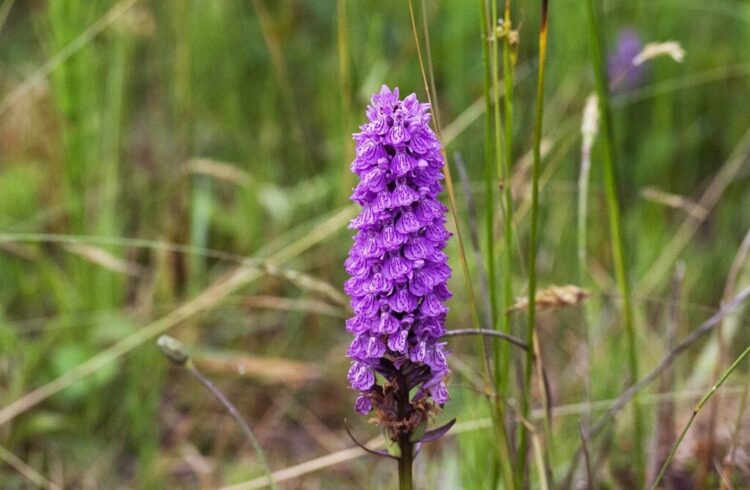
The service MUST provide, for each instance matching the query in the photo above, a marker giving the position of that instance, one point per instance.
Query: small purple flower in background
(623, 74)
(398, 270)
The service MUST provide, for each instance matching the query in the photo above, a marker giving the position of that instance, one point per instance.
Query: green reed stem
(508, 71)
(500, 351)
(453, 208)
(505, 367)
(696, 410)
(618, 254)
(489, 176)
(502, 162)
(534, 217)
(498, 416)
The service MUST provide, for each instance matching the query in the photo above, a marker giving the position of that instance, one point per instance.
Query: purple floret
(623, 74)
(398, 270)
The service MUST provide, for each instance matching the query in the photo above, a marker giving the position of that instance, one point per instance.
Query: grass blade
(533, 238)
(613, 207)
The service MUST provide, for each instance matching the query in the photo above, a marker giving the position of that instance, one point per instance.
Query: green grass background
(225, 125)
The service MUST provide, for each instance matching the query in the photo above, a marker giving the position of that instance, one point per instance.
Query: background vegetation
(183, 165)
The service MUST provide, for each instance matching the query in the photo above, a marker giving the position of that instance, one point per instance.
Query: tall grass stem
(508, 74)
(533, 237)
(493, 169)
(453, 208)
(613, 206)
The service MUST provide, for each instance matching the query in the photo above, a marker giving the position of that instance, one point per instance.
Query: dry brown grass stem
(295, 304)
(101, 257)
(275, 371)
(26, 471)
(674, 201)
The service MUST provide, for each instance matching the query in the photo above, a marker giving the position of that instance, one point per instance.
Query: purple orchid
(398, 270)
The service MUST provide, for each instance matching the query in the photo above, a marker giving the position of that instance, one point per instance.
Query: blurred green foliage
(225, 125)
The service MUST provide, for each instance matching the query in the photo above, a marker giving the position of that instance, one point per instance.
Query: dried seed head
(673, 49)
(553, 297)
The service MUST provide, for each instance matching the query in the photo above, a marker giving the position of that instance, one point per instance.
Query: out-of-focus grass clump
(147, 148)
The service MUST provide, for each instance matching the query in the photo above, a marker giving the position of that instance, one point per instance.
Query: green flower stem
(405, 463)
(618, 254)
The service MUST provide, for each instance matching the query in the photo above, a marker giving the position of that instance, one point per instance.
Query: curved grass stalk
(498, 420)
(238, 418)
(41, 73)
